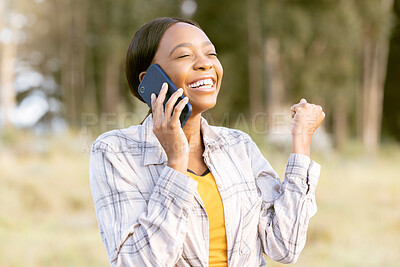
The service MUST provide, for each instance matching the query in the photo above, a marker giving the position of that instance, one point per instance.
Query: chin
(200, 108)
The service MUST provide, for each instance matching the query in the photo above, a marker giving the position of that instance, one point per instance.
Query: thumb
(303, 100)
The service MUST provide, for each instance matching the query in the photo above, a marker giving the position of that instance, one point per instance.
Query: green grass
(47, 216)
(358, 218)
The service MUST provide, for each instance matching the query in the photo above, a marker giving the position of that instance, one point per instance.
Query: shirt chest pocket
(250, 212)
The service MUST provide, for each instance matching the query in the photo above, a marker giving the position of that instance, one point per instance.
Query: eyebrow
(187, 45)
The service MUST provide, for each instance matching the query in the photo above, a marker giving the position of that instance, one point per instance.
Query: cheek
(219, 69)
(174, 72)
(177, 75)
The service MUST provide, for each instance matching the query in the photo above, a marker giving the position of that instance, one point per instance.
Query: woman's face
(189, 58)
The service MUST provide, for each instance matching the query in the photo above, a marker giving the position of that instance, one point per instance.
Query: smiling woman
(190, 60)
(199, 195)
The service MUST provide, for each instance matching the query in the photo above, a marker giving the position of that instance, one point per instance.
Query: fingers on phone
(161, 97)
(178, 109)
(169, 106)
(157, 104)
(153, 101)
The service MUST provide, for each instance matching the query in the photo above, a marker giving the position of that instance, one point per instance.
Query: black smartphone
(152, 82)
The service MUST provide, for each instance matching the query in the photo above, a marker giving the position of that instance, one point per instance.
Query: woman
(201, 195)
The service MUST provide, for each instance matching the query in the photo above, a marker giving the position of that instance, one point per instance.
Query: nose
(203, 63)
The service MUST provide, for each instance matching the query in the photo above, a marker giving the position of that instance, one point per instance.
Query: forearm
(301, 144)
(285, 220)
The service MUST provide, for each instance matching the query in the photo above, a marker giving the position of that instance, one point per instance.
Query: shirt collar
(153, 152)
(212, 137)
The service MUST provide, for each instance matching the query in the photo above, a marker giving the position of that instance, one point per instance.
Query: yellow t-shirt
(208, 191)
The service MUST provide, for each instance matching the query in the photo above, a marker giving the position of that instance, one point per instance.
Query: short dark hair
(143, 47)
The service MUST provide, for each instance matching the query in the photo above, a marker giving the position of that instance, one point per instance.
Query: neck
(192, 132)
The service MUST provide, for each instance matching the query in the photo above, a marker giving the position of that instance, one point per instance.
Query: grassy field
(47, 216)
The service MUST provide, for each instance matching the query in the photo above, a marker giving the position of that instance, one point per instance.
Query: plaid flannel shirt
(152, 215)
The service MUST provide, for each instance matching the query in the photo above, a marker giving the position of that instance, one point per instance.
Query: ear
(141, 75)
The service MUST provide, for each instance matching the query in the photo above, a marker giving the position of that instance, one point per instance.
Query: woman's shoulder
(231, 135)
(119, 139)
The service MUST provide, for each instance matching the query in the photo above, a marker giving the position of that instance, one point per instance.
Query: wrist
(301, 144)
(178, 164)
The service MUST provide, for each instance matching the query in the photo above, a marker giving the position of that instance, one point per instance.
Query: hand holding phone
(168, 130)
(152, 82)
(169, 115)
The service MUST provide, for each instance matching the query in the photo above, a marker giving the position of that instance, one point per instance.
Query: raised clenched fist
(306, 120)
(307, 117)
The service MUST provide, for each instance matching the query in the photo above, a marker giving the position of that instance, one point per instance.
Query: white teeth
(207, 83)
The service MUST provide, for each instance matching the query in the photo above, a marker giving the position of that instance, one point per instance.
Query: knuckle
(171, 127)
(165, 124)
(160, 98)
(179, 107)
(168, 105)
(157, 127)
(175, 124)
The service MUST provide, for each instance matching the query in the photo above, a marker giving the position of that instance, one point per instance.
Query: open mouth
(202, 84)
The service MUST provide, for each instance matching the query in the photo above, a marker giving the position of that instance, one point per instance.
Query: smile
(202, 84)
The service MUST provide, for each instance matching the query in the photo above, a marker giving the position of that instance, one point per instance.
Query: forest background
(62, 83)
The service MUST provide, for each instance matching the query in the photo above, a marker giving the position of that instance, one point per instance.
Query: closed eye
(183, 56)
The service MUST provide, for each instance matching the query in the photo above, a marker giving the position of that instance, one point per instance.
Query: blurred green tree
(316, 51)
(226, 25)
(332, 52)
(391, 111)
(376, 29)
(8, 49)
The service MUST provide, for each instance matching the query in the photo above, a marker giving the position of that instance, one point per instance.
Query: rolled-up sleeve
(135, 230)
(286, 206)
